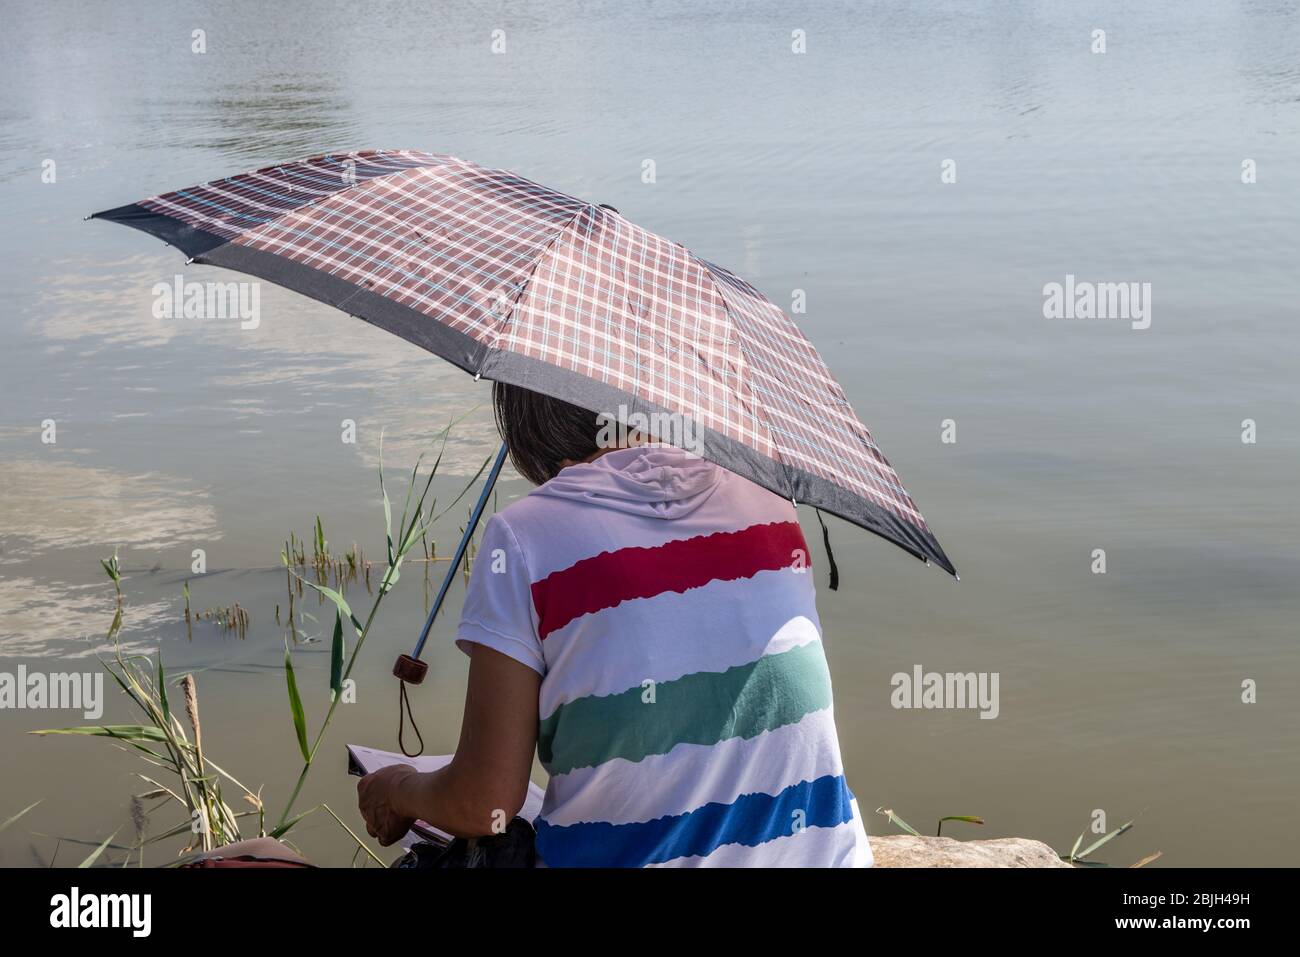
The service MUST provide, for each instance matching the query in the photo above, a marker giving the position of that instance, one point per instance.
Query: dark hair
(542, 432)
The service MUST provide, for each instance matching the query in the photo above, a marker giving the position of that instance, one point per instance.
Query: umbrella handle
(409, 667)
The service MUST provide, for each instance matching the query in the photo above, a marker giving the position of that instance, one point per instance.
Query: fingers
(381, 824)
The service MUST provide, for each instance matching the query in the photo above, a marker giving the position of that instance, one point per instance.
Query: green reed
(164, 741)
(399, 543)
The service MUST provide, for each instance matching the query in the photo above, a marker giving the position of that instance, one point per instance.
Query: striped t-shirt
(685, 706)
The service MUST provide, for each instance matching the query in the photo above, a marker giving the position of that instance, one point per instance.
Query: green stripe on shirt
(701, 708)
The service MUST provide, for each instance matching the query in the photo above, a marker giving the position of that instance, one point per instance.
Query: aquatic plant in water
(162, 739)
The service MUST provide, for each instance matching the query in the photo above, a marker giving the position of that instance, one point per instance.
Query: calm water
(820, 172)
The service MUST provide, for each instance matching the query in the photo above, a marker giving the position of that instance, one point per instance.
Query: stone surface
(904, 850)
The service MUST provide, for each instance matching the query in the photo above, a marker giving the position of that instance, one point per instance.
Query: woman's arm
(484, 786)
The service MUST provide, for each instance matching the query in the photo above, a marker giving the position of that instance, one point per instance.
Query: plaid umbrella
(518, 283)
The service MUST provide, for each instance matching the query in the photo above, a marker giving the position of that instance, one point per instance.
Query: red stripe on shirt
(610, 578)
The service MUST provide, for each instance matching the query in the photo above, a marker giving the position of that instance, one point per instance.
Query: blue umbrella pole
(409, 668)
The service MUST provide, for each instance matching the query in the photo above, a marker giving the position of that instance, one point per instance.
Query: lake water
(1119, 692)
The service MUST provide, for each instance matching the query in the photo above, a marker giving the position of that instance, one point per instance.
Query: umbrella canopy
(518, 283)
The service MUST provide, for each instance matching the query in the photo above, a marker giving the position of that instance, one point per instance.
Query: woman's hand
(487, 781)
(380, 798)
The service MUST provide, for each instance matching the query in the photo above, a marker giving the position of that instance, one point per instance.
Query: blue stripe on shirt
(750, 820)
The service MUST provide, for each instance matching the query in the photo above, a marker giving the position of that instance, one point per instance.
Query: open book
(363, 761)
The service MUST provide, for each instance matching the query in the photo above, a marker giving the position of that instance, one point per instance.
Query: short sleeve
(498, 609)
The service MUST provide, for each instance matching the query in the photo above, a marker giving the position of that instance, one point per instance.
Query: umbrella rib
(494, 334)
(349, 190)
(755, 409)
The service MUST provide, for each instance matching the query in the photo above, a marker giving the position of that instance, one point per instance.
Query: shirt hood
(658, 481)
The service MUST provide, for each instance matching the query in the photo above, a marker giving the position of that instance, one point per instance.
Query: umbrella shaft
(460, 549)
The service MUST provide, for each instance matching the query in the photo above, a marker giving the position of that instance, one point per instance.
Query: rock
(904, 850)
